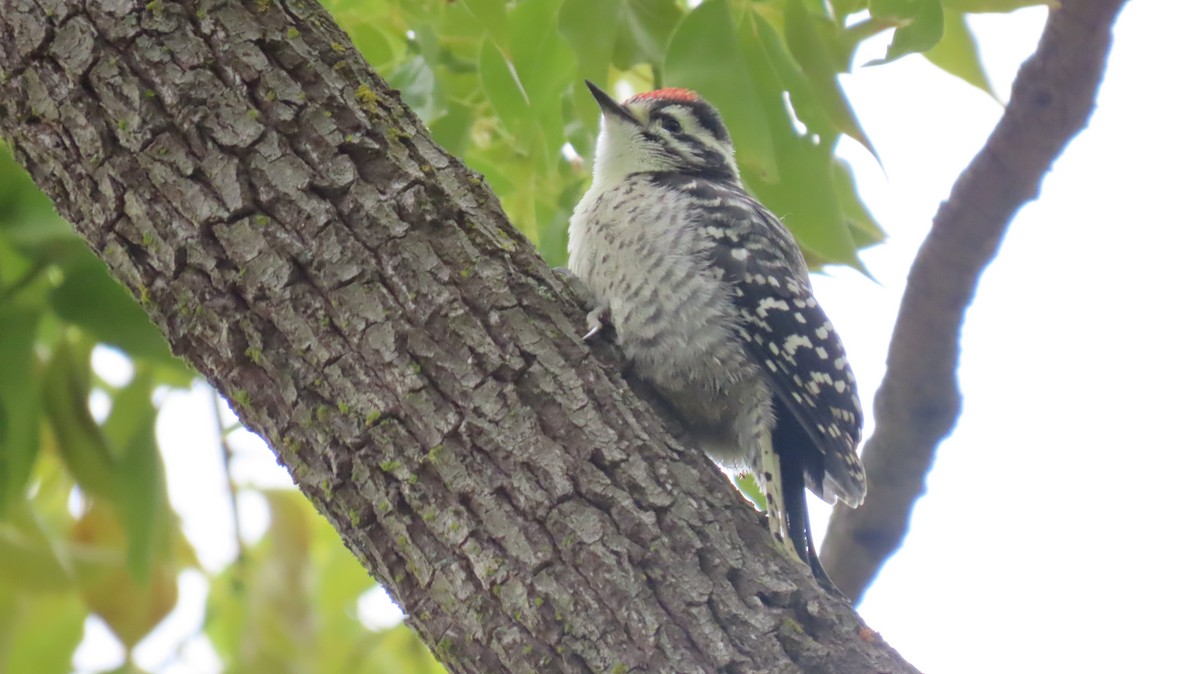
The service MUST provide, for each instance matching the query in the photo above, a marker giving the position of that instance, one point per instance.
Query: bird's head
(663, 130)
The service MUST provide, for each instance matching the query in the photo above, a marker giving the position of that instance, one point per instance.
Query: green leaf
(16, 269)
(527, 88)
(920, 25)
(412, 653)
(39, 633)
(29, 556)
(261, 611)
(338, 581)
(505, 92)
(921, 34)
(20, 413)
(91, 299)
(552, 239)
(813, 53)
(819, 8)
(174, 373)
(590, 29)
(545, 67)
(493, 17)
(130, 606)
(497, 164)
(142, 498)
(979, 6)
(804, 196)
(453, 129)
(844, 8)
(645, 32)
(621, 34)
(958, 53)
(81, 444)
(379, 48)
(429, 47)
(895, 10)
(131, 409)
(417, 85)
(750, 490)
(27, 218)
(706, 55)
(863, 227)
(226, 613)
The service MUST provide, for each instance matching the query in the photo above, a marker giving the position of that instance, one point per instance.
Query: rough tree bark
(918, 401)
(360, 298)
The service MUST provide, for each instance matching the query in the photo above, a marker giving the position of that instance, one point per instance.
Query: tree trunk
(359, 297)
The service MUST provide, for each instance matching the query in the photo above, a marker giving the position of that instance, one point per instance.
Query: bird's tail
(796, 451)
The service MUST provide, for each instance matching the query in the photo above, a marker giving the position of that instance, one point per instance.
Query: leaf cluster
(501, 85)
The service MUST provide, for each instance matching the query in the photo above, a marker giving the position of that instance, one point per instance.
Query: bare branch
(919, 401)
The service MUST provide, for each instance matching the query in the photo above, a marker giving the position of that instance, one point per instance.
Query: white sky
(1059, 529)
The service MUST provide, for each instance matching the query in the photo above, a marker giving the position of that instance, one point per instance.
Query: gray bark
(360, 298)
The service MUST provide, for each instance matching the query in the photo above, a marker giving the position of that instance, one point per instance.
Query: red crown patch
(668, 94)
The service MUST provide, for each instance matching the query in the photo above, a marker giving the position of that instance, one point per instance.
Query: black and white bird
(710, 300)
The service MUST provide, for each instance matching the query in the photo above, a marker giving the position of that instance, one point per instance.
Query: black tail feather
(798, 456)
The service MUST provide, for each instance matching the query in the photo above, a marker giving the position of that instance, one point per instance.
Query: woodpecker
(710, 300)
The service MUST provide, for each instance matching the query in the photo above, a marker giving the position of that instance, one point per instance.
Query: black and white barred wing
(790, 336)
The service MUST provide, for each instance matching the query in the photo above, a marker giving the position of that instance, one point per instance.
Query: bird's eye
(671, 125)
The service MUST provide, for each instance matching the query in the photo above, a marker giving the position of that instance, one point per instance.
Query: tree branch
(919, 401)
(359, 297)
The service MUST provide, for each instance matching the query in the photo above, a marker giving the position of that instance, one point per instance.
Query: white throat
(620, 152)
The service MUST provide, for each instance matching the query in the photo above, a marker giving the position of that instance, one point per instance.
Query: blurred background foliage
(87, 527)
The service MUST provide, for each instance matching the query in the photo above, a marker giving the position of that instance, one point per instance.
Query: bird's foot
(597, 320)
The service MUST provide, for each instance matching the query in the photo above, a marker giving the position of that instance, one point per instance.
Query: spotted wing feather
(789, 335)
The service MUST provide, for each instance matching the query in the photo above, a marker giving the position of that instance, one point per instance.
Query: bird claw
(596, 320)
(598, 317)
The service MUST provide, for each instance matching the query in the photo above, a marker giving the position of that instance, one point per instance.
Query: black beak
(609, 106)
